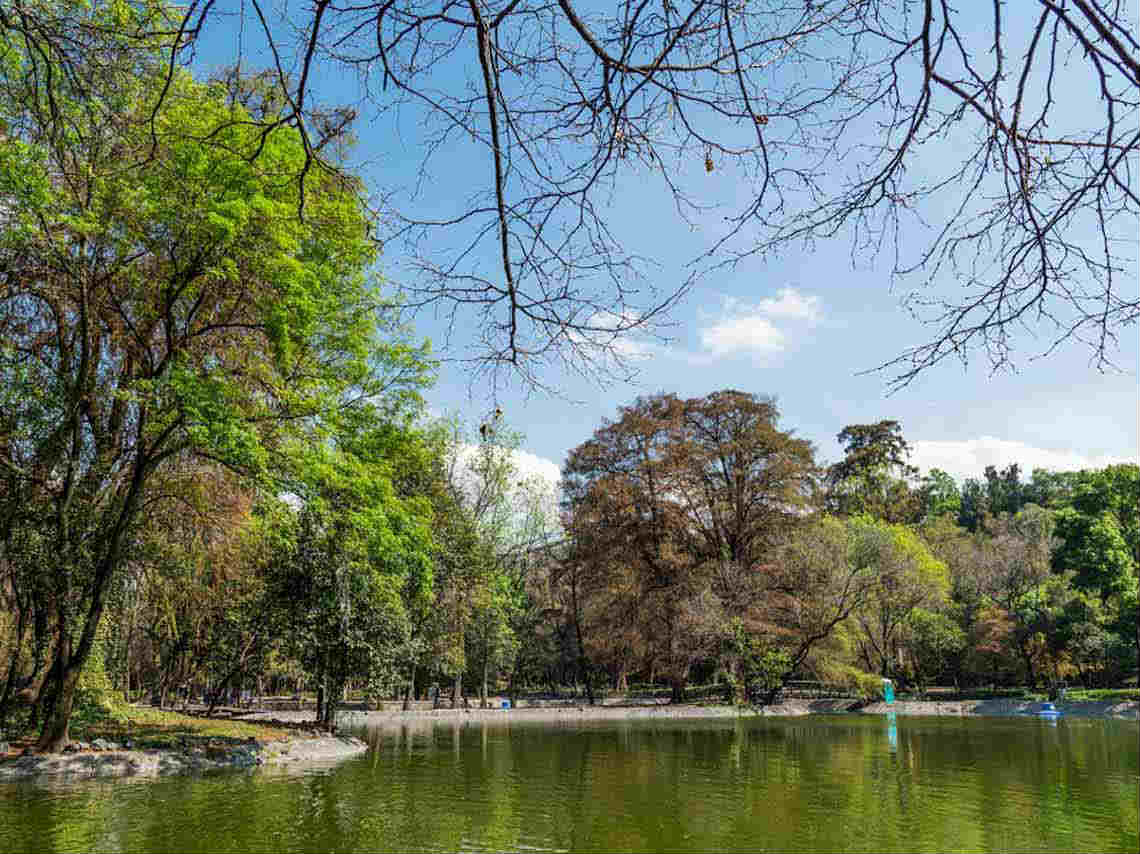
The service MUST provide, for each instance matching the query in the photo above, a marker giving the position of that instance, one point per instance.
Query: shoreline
(203, 756)
(213, 754)
(569, 713)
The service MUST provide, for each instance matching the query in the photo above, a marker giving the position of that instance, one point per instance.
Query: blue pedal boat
(1048, 710)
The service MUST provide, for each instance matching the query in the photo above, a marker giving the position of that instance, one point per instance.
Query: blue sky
(802, 327)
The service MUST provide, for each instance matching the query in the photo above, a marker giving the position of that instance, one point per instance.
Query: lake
(819, 783)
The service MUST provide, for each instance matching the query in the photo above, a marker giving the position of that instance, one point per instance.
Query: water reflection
(793, 785)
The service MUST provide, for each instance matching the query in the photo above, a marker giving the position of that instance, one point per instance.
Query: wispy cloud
(757, 329)
(969, 457)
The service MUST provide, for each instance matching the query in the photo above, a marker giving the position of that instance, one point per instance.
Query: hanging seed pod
(761, 120)
(708, 163)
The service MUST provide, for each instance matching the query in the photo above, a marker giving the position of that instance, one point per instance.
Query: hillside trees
(162, 299)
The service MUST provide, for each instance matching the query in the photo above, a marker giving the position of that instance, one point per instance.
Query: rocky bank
(106, 759)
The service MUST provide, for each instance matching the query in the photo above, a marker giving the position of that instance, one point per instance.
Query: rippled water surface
(840, 783)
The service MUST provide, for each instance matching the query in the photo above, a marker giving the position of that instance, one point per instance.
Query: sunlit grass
(146, 726)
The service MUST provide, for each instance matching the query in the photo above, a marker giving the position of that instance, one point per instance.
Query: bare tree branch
(964, 151)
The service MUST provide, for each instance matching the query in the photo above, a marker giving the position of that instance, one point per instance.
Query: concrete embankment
(1126, 709)
(207, 755)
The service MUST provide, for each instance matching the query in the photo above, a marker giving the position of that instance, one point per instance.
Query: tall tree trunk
(54, 736)
(483, 685)
(583, 664)
(457, 691)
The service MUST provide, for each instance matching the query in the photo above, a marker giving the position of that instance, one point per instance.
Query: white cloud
(790, 303)
(745, 333)
(752, 329)
(535, 478)
(969, 457)
(532, 465)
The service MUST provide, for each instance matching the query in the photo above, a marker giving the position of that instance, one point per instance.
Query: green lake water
(821, 783)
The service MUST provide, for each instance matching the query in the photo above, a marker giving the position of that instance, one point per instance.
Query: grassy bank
(144, 727)
(163, 728)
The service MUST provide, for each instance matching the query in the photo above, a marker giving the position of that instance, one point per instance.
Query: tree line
(704, 542)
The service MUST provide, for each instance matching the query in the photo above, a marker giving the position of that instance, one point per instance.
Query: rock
(103, 744)
(128, 744)
(72, 747)
(4, 748)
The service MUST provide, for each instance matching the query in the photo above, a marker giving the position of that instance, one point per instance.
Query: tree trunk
(483, 684)
(13, 666)
(1030, 671)
(457, 691)
(54, 736)
(677, 694)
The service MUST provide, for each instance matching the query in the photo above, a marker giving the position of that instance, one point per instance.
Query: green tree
(875, 473)
(821, 576)
(1016, 558)
(934, 641)
(1099, 542)
(975, 505)
(1005, 493)
(939, 495)
(907, 577)
(162, 298)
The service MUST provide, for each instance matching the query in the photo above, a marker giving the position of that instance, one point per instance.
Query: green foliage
(95, 697)
(758, 667)
(939, 495)
(1095, 550)
(208, 324)
(873, 478)
(907, 577)
(935, 641)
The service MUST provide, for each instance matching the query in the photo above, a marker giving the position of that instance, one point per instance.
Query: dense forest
(217, 474)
